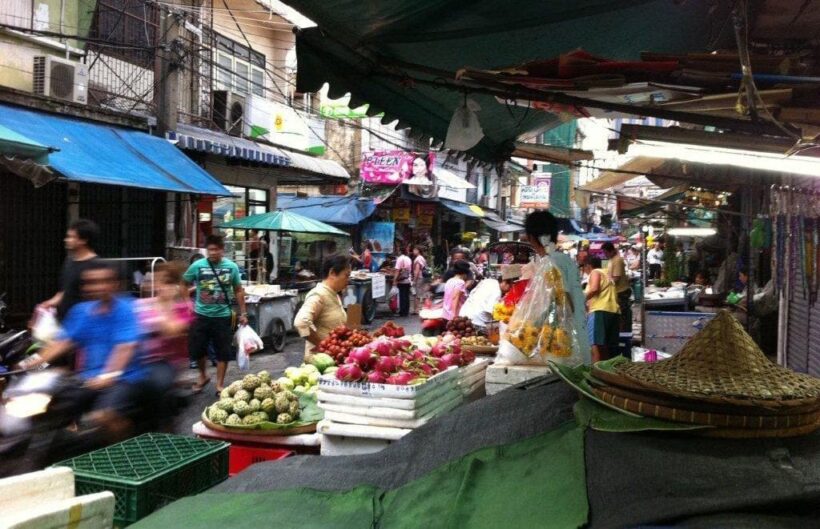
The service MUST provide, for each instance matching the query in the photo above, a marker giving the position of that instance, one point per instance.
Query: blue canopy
(346, 210)
(105, 154)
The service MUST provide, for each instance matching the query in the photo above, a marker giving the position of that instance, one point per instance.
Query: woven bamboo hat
(722, 364)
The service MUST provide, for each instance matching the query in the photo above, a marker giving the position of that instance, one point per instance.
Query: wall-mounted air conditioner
(228, 111)
(61, 79)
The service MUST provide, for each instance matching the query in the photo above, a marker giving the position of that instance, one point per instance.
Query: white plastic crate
(329, 384)
(340, 445)
(669, 331)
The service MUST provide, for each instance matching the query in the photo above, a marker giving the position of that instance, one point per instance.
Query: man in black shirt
(79, 243)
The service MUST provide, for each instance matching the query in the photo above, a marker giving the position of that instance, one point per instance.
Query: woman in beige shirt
(322, 310)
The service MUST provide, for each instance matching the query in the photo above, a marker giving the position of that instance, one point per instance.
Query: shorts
(603, 328)
(215, 331)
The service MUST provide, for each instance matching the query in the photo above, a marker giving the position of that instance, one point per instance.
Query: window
(239, 68)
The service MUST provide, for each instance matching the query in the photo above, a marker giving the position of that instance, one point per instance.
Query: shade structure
(15, 144)
(348, 210)
(283, 221)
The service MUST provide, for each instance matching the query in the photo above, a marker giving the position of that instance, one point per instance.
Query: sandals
(197, 388)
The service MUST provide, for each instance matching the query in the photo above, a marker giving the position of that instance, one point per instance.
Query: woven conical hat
(721, 363)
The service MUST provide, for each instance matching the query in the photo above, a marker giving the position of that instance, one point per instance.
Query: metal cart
(272, 317)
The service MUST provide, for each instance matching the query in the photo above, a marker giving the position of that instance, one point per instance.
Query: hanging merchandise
(465, 130)
(796, 237)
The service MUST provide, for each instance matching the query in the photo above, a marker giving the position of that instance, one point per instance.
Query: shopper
(616, 271)
(633, 259)
(80, 240)
(420, 280)
(603, 319)
(482, 300)
(541, 228)
(256, 253)
(365, 260)
(402, 278)
(455, 290)
(214, 277)
(654, 258)
(322, 310)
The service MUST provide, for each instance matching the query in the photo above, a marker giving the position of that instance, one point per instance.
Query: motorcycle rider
(106, 332)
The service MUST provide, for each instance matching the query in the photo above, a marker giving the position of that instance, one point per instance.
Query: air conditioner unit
(485, 201)
(61, 79)
(228, 111)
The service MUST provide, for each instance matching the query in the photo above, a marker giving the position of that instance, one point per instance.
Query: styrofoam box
(339, 445)
(354, 417)
(45, 500)
(411, 403)
(502, 377)
(374, 407)
(327, 427)
(329, 384)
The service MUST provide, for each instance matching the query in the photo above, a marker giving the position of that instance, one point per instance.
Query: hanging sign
(394, 167)
(537, 195)
(377, 286)
(401, 215)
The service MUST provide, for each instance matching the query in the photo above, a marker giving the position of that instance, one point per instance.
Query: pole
(166, 71)
(643, 283)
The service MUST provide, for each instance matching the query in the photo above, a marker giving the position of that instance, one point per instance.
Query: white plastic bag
(45, 328)
(247, 342)
(465, 130)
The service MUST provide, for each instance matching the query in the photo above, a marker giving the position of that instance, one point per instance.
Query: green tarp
(537, 482)
(356, 41)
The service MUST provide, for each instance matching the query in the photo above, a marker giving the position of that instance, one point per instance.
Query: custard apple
(250, 420)
(233, 420)
(275, 387)
(293, 408)
(268, 406)
(217, 415)
(284, 418)
(241, 408)
(242, 395)
(262, 415)
(254, 404)
(225, 394)
(263, 392)
(234, 387)
(282, 404)
(250, 382)
(264, 377)
(225, 404)
(290, 395)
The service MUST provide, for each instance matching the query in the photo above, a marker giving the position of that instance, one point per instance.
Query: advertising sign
(536, 195)
(378, 286)
(401, 215)
(394, 167)
(381, 234)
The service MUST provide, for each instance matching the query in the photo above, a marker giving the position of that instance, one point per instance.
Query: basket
(150, 471)
(243, 456)
(275, 432)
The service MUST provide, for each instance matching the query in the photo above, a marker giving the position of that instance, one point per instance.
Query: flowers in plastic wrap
(541, 328)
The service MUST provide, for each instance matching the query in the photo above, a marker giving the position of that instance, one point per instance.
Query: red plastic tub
(243, 456)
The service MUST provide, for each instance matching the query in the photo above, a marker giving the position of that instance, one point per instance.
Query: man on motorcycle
(106, 333)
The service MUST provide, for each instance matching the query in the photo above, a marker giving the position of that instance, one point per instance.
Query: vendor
(481, 301)
(542, 233)
(603, 320)
(455, 290)
(322, 310)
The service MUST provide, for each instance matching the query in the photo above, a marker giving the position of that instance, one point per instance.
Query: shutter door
(803, 343)
(31, 247)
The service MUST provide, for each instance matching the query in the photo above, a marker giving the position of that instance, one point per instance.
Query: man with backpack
(214, 278)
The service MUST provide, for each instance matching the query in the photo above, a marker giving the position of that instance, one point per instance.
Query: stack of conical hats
(720, 378)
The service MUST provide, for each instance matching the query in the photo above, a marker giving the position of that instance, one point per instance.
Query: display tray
(296, 430)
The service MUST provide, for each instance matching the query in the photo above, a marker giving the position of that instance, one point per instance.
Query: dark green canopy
(364, 47)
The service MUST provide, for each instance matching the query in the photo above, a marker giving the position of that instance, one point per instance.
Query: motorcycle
(432, 322)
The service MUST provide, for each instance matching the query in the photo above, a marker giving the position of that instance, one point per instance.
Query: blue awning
(344, 210)
(464, 209)
(104, 154)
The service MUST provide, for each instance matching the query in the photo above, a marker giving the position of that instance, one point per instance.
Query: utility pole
(166, 68)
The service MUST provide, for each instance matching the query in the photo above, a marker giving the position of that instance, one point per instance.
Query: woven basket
(721, 364)
(720, 420)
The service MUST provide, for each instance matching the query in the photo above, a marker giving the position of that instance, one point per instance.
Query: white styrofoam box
(492, 388)
(512, 375)
(419, 401)
(339, 445)
(308, 439)
(329, 384)
(373, 407)
(19, 493)
(93, 511)
(356, 418)
(327, 427)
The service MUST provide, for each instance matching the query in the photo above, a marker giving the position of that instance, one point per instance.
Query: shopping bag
(541, 328)
(247, 342)
(45, 328)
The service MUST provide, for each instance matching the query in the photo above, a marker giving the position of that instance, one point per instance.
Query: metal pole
(643, 289)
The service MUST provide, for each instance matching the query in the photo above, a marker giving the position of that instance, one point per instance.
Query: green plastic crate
(150, 471)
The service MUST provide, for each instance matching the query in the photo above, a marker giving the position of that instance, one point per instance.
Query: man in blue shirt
(105, 331)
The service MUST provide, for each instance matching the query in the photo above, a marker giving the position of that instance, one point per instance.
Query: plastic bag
(247, 342)
(541, 329)
(394, 299)
(464, 131)
(45, 328)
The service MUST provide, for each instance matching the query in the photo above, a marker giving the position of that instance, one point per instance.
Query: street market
(333, 264)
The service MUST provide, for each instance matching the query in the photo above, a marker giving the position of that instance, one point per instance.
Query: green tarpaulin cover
(358, 44)
(537, 482)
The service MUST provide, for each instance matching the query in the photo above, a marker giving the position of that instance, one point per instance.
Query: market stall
(270, 313)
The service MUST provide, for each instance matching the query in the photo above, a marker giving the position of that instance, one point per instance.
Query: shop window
(239, 69)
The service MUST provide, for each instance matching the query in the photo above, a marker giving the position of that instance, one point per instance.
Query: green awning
(15, 144)
(364, 48)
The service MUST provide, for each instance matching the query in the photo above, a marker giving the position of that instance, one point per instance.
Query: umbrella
(280, 220)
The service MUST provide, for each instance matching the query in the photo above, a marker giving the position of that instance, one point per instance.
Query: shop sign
(381, 234)
(401, 215)
(537, 195)
(394, 167)
(277, 123)
(425, 220)
(378, 286)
